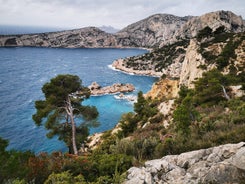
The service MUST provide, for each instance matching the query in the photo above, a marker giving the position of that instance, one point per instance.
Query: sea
(23, 72)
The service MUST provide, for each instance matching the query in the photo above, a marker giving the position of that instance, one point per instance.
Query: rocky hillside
(222, 164)
(151, 31)
(78, 38)
(154, 31)
(214, 20)
(198, 103)
(186, 60)
(165, 60)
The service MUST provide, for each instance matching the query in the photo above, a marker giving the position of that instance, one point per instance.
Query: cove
(23, 72)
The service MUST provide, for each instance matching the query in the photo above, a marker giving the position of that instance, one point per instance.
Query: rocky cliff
(222, 164)
(190, 68)
(156, 30)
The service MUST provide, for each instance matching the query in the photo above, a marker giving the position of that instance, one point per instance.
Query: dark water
(23, 71)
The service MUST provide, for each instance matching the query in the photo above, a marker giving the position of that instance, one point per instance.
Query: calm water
(23, 71)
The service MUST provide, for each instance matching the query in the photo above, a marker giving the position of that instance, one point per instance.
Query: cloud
(120, 13)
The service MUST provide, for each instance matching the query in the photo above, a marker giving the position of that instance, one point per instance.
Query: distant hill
(109, 29)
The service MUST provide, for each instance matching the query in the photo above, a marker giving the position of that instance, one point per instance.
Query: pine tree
(62, 103)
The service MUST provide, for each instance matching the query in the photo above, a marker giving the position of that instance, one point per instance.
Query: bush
(109, 164)
(128, 124)
(208, 89)
(14, 164)
(204, 33)
(64, 178)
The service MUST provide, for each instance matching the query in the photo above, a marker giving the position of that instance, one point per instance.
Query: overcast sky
(116, 13)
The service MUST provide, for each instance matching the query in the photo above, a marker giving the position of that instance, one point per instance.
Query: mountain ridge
(153, 31)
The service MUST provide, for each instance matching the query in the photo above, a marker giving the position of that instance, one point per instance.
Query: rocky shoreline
(119, 65)
(96, 89)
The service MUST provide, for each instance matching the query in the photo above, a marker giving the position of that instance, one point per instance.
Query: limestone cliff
(222, 164)
(191, 69)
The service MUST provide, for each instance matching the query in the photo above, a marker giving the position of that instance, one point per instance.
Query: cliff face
(222, 164)
(190, 69)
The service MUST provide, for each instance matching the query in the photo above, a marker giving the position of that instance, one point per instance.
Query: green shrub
(109, 164)
(128, 123)
(204, 33)
(64, 178)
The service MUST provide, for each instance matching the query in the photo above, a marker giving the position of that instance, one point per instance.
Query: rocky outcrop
(164, 89)
(94, 140)
(96, 89)
(222, 164)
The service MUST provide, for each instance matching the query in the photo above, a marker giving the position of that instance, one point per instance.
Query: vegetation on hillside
(203, 117)
(229, 42)
(158, 58)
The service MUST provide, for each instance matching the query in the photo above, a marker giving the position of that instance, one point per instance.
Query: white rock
(221, 164)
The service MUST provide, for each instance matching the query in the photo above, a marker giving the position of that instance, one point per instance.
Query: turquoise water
(23, 71)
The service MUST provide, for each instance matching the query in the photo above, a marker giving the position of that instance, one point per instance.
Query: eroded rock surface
(222, 164)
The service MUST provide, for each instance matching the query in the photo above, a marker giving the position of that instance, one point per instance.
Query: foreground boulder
(222, 164)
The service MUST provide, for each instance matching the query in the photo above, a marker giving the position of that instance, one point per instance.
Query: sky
(115, 13)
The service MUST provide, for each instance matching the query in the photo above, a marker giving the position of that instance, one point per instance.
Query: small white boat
(121, 96)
